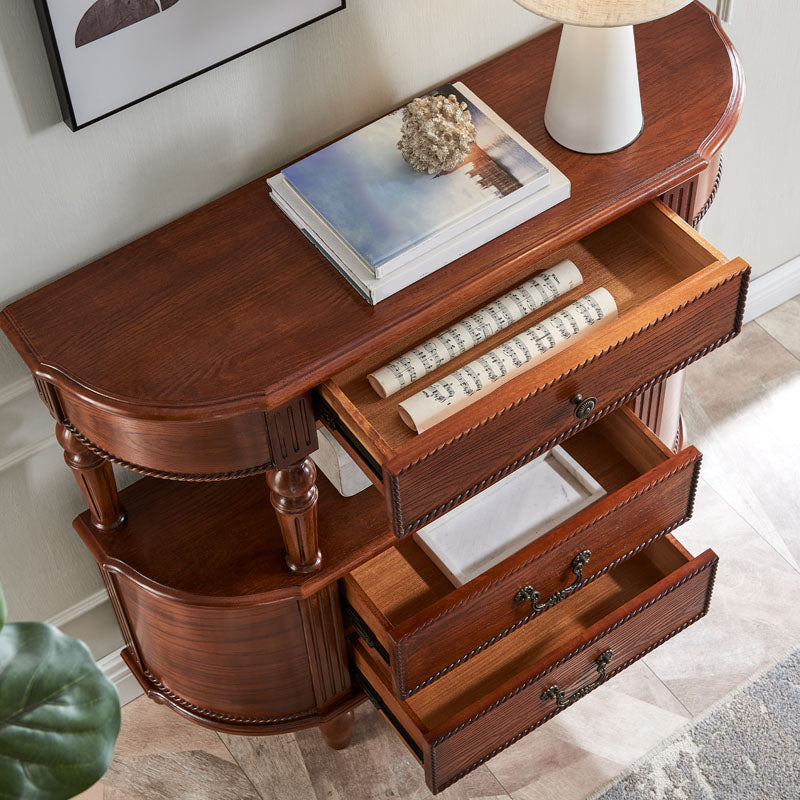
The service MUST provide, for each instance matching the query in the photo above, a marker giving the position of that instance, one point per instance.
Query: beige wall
(66, 198)
(756, 212)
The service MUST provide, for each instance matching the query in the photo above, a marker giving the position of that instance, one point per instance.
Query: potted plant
(59, 715)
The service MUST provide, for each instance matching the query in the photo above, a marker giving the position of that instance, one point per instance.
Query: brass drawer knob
(583, 405)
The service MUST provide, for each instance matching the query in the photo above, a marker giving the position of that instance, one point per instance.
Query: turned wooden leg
(337, 732)
(95, 479)
(293, 492)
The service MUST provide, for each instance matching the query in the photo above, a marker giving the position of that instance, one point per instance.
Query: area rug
(746, 747)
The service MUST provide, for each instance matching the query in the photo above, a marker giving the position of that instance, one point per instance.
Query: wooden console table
(253, 598)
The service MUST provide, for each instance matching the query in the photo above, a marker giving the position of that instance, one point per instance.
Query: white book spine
(374, 291)
(321, 227)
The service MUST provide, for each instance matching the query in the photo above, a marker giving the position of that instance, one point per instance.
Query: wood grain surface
(428, 627)
(678, 299)
(191, 354)
(230, 309)
(240, 663)
(482, 707)
(221, 543)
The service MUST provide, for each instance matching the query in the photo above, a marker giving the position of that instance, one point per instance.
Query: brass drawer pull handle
(529, 593)
(583, 406)
(554, 693)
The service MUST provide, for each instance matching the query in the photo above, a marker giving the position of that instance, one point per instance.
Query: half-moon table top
(230, 308)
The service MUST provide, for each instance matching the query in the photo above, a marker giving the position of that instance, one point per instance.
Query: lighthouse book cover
(387, 213)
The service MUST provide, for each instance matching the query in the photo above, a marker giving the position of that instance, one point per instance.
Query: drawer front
(209, 449)
(483, 729)
(554, 567)
(533, 418)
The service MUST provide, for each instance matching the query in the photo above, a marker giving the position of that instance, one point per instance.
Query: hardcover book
(387, 214)
(373, 289)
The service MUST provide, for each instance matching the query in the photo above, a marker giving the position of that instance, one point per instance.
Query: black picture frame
(62, 86)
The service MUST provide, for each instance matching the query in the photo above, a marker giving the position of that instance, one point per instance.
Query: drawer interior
(446, 699)
(638, 258)
(403, 581)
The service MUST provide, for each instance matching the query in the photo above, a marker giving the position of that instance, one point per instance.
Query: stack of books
(385, 226)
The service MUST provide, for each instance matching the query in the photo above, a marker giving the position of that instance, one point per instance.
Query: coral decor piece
(437, 134)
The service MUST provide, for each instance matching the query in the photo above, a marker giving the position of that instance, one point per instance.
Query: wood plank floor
(741, 411)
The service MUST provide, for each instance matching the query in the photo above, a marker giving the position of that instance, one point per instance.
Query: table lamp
(594, 104)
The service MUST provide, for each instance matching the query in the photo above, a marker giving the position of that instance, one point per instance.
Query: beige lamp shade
(603, 13)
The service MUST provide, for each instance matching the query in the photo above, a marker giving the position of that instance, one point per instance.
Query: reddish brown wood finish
(691, 201)
(211, 449)
(337, 732)
(324, 632)
(427, 644)
(235, 663)
(292, 431)
(222, 542)
(95, 479)
(458, 723)
(230, 309)
(178, 449)
(189, 355)
(156, 691)
(243, 661)
(689, 302)
(293, 493)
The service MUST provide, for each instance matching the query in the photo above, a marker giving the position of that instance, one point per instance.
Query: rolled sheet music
(509, 359)
(536, 292)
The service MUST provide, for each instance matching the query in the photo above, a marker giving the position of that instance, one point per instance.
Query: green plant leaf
(59, 715)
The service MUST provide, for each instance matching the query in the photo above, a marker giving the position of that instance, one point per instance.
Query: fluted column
(95, 478)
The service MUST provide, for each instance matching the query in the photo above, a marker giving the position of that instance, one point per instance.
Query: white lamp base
(594, 104)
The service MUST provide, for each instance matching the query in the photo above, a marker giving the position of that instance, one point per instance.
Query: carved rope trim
(217, 717)
(514, 465)
(461, 497)
(585, 363)
(555, 711)
(704, 210)
(652, 601)
(694, 462)
(186, 477)
(433, 750)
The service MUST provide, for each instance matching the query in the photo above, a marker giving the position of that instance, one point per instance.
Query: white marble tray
(514, 512)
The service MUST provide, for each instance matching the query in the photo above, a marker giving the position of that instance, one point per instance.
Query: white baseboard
(25, 426)
(769, 291)
(72, 613)
(26, 429)
(115, 670)
(15, 389)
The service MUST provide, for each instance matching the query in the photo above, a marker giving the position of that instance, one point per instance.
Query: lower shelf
(488, 703)
(221, 539)
(215, 624)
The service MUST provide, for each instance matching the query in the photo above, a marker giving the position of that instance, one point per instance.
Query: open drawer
(678, 298)
(422, 626)
(505, 692)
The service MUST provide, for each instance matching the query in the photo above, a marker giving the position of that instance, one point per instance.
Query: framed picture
(107, 55)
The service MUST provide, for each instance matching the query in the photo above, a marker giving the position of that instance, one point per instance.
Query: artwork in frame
(106, 55)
